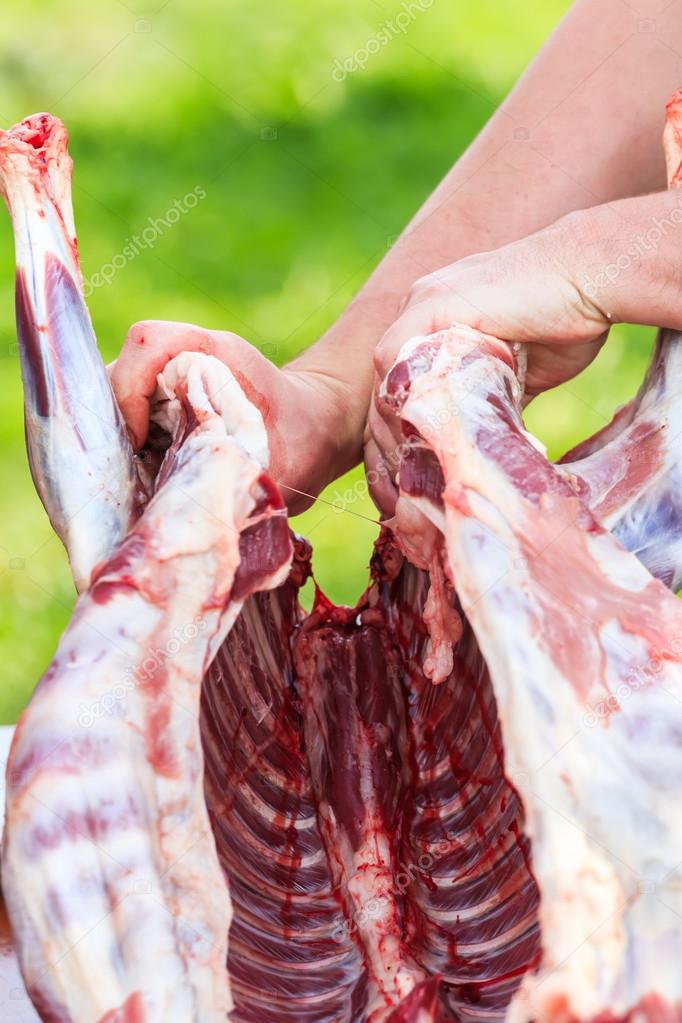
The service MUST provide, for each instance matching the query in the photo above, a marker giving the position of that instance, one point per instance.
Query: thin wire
(332, 504)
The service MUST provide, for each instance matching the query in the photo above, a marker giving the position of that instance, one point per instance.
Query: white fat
(212, 388)
(121, 702)
(591, 743)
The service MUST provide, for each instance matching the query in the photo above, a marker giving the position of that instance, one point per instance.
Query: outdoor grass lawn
(307, 180)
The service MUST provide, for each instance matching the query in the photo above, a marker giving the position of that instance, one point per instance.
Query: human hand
(302, 409)
(527, 291)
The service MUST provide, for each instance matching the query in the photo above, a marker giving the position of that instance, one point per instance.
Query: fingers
(384, 429)
(434, 303)
(416, 320)
(383, 438)
(551, 365)
(382, 490)
(149, 346)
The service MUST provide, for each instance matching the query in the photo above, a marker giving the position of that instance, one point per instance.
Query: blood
(158, 739)
(132, 1011)
(105, 590)
(30, 346)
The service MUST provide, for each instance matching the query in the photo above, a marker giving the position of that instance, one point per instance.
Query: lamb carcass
(455, 800)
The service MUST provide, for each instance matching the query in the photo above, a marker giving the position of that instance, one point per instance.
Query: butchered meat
(458, 800)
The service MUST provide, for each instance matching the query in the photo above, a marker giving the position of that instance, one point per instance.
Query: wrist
(329, 409)
(580, 242)
(340, 368)
(627, 259)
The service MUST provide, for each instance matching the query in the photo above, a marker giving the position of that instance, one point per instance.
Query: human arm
(303, 412)
(559, 290)
(582, 126)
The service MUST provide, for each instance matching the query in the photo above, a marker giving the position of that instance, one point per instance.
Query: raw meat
(631, 470)
(107, 823)
(78, 449)
(457, 800)
(583, 649)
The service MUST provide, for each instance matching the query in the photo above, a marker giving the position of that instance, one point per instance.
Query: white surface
(6, 733)
(15, 1006)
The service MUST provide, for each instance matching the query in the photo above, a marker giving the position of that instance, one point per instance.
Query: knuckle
(139, 334)
(154, 334)
(228, 339)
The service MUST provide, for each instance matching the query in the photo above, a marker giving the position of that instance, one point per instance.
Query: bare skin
(580, 130)
(559, 290)
(297, 404)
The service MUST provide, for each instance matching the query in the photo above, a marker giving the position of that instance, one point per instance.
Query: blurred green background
(307, 181)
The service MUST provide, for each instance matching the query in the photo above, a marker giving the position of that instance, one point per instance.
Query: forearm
(581, 127)
(625, 258)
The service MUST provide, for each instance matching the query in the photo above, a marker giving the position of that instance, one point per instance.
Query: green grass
(307, 181)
